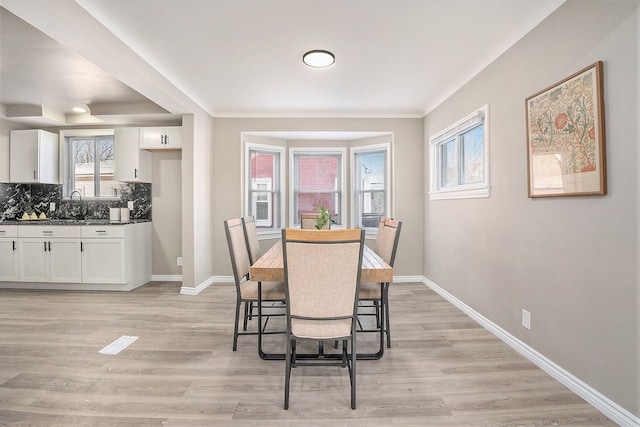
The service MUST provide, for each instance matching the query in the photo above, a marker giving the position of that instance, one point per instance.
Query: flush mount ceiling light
(318, 58)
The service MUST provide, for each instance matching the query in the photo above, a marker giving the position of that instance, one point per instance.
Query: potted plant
(324, 218)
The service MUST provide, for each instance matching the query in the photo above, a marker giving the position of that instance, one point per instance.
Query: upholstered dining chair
(386, 246)
(246, 289)
(251, 237)
(322, 278)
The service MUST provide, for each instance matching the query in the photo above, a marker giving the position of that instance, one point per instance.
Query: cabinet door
(33, 264)
(8, 260)
(131, 163)
(151, 138)
(166, 138)
(103, 261)
(23, 157)
(173, 137)
(65, 261)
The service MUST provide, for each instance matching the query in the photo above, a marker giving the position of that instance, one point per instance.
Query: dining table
(270, 267)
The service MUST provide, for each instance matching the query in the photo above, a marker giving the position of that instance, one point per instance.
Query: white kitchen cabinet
(33, 156)
(49, 254)
(8, 253)
(163, 138)
(117, 254)
(103, 254)
(131, 163)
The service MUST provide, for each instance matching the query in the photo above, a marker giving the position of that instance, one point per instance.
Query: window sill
(461, 193)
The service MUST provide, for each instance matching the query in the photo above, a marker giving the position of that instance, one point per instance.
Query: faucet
(72, 193)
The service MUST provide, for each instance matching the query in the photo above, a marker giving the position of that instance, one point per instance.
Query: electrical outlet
(526, 319)
(52, 207)
(179, 261)
(130, 205)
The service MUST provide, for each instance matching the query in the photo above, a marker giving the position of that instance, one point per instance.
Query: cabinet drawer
(8, 231)
(102, 231)
(45, 231)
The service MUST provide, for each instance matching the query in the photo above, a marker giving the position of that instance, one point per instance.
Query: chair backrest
(387, 240)
(322, 272)
(378, 246)
(308, 221)
(237, 250)
(251, 237)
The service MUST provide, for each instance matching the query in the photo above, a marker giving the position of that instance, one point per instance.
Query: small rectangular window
(317, 180)
(89, 166)
(370, 176)
(460, 158)
(263, 186)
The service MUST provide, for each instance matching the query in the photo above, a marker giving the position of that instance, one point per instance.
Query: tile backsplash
(15, 199)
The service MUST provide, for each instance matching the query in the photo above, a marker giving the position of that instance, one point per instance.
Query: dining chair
(322, 278)
(246, 289)
(308, 221)
(386, 247)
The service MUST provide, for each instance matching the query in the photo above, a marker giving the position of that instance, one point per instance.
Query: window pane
(263, 195)
(84, 166)
(317, 183)
(109, 187)
(473, 155)
(371, 208)
(449, 164)
(371, 188)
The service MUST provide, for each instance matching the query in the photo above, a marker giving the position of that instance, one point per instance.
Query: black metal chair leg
(235, 327)
(386, 314)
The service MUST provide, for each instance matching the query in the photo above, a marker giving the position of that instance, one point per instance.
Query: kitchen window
(370, 178)
(460, 158)
(317, 179)
(263, 186)
(89, 164)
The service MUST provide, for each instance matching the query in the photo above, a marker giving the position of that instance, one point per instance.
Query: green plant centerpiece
(324, 218)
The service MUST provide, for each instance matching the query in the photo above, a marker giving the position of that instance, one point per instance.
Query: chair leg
(235, 326)
(246, 315)
(353, 371)
(287, 372)
(386, 314)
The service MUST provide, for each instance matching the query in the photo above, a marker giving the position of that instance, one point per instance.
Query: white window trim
(61, 154)
(248, 146)
(324, 150)
(367, 149)
(468, 191)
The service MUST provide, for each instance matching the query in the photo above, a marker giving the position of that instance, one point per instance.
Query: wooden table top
(270, 266)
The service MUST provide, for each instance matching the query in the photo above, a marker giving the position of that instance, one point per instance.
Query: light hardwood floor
(442, 370)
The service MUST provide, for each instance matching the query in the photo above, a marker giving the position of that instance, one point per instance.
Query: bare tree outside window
(90, 168)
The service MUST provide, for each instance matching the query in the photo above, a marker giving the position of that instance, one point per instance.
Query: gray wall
(408, 177)
(166, 197)
(571, 261)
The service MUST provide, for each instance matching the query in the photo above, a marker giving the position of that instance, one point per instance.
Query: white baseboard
(204, 285)
(602, 403)
(166, 278)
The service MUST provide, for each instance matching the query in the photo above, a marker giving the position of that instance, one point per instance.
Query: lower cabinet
(103, 255)
(8, 253)
(116, 256)
(49, 254)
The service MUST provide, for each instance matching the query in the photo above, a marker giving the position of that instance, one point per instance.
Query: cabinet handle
(2, 231)
(49, 246)
(81, 247)
(14, 245)
(45, 246)
(35, 174)
(135, 173)
(166, 139)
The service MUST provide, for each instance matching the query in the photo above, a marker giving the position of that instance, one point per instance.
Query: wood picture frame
(566, 137)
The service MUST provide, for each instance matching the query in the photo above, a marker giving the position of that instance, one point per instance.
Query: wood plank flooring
(443, 368)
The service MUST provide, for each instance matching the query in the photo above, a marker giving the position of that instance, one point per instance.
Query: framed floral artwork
(565, 137)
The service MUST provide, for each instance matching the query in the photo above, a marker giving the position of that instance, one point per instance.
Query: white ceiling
(242, 58)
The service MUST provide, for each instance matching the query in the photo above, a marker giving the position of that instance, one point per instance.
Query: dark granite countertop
(72, 222)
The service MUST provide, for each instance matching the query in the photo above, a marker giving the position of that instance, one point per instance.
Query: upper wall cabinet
(131, 163)
(33, 157)
(154, 138)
